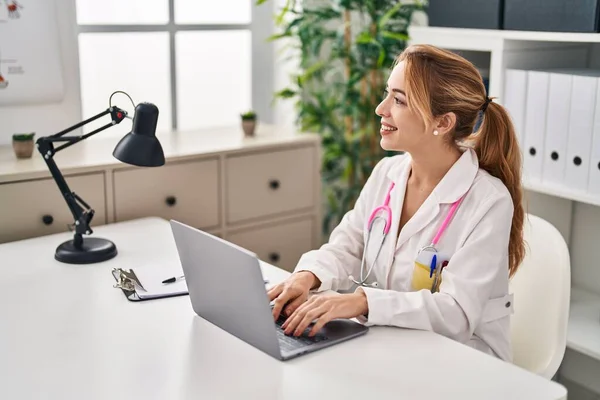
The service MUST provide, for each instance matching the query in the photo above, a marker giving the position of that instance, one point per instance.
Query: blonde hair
(439, 81)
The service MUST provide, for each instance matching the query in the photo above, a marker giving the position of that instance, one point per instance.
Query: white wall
(46, 119)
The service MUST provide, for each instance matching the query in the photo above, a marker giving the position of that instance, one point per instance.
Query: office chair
(542, 291)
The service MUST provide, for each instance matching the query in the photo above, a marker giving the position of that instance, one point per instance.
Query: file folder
(535, 124)
(515, 100)
(581, 127)
(557, 128)
(594, 170)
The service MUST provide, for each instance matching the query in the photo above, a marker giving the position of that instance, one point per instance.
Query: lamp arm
(80, 124)
(82, 216)
(81, 211)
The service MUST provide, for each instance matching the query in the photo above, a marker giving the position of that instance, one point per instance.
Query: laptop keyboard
(289, 343)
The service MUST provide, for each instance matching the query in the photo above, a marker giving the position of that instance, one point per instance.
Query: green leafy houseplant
(249, 116)
(345, 49)
(23, 144)
(249, 123)
(23, 137)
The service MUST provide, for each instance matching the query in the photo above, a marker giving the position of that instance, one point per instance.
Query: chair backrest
(542, 291)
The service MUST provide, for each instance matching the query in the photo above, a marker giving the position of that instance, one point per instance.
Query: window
(192, 58)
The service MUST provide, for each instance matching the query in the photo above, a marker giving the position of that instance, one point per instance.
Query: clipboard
(132, 287)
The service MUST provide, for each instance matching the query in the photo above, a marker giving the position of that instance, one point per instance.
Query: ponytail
(498, 151)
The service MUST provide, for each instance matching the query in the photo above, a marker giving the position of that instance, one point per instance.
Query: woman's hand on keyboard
(291, 293)
(324, 308)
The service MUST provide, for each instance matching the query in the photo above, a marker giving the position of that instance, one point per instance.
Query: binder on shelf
(535, 124)
(581, 127)
(557, 127)
(515, 100)
(594, 169)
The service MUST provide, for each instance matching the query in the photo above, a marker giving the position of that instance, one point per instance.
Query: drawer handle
(171, 200)
(47, 219)
(274, 257)
(274, 184)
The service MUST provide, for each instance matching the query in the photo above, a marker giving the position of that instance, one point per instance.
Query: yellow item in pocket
(421, 278)
(425, 269)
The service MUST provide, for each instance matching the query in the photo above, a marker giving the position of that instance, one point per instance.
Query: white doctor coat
(473, 304)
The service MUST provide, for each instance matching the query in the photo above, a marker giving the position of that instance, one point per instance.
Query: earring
(436, 133)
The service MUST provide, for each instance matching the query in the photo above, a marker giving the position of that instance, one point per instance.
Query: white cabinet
(279, 244)
(272, 183)
(262, 193)
(36, 208)
(185, 191)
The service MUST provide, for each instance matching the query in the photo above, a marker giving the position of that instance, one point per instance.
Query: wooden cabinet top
(95, 153)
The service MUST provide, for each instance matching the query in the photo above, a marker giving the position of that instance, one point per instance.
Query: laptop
(226, 288)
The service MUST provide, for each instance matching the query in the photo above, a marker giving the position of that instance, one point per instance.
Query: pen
(173, 279)
(432, 266)
(176, 278)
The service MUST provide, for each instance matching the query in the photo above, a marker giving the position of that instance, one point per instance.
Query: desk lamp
(139, 147)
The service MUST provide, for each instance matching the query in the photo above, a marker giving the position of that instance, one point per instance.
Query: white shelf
(584, 323)
(562, 192)
(477, 34)
(493, 41)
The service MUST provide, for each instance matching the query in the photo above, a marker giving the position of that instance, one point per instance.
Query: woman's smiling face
(401, 128)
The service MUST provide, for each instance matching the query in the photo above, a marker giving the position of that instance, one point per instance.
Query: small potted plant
(23, 144)
(249, 123)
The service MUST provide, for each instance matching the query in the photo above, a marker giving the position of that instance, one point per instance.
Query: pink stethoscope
(387, 212)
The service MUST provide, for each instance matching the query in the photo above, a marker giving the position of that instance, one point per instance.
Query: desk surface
(66, 333)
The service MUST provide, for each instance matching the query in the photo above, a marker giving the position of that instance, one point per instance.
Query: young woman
(454, 223)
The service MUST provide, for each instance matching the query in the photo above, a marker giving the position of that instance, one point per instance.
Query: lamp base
(92, 250)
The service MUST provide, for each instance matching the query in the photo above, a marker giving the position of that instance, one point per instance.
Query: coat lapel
(455, 183)
(423, 217)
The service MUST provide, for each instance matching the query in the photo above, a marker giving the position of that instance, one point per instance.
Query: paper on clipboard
(145, 283)
(151, 278)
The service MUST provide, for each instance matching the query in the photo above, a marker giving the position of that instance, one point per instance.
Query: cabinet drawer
(271, 183)
(187, 192)
(37, 208)
(280, 245)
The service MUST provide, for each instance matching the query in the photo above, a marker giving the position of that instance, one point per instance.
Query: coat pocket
(422, 277)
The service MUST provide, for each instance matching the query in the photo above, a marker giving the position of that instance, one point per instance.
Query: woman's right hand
(291, 293)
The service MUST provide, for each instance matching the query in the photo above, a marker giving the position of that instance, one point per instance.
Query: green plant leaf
(310, 71)
(389, 14)
(289, 4)
(364, 37)
(394, 35)
(286, 93)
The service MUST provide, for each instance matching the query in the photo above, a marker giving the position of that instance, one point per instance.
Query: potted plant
(23, 144)
(344, 50)
(249, 123)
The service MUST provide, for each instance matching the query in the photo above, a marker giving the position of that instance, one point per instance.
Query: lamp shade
(140, 146)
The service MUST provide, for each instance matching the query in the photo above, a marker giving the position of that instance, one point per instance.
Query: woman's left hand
(324, 308)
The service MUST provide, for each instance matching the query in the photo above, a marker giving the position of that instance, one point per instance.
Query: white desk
(66, 333)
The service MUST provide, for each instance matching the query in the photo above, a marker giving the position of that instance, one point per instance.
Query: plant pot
(23, 148)
(249, 126)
